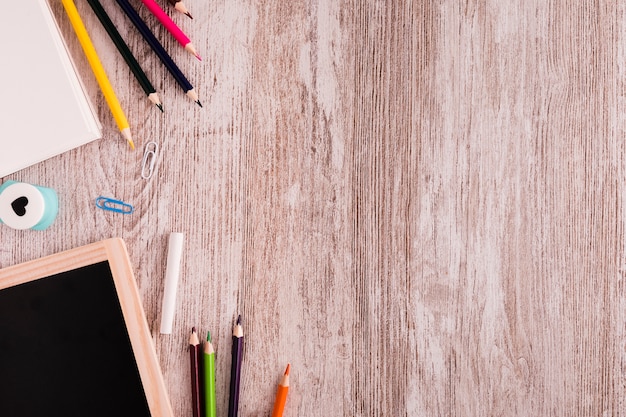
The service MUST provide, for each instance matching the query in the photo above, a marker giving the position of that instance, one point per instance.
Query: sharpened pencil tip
(239, 319)
(199, 57)
(189, 15)
(129, 138)
(288, 369)
(198, 103)
(208, 336)
(160, 106)
(193, 329)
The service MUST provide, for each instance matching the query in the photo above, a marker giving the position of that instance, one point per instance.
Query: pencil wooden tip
(288, 369)
(180, 6)
(193, 338)
(194, 96)
(154, 97)
(192, 50)
(128, 137)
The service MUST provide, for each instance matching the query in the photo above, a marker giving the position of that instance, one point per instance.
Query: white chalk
(172, 271)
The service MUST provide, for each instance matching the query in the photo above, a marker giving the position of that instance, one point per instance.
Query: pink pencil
(169, 24)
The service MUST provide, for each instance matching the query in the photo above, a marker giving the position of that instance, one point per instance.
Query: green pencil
(124, 50)
(210, 408)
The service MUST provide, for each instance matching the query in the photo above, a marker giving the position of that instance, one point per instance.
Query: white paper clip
(149, 159)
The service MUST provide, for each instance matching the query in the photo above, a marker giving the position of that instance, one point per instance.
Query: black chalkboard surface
(73, 338)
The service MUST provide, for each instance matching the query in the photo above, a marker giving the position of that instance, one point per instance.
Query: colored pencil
(194, 358)
(171, 27)
(124, 50)
(235, 369)
(98, 70)
(180, 6)
(158, 50)
(210, 403)
(281, 394)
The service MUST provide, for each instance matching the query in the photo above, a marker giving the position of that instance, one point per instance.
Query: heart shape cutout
(19, 206)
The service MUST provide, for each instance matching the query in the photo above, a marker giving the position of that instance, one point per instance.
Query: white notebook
(44, 108)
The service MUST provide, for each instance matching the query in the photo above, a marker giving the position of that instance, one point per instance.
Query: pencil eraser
(27, 206)
(172, 272)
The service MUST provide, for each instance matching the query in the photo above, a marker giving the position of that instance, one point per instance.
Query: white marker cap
(172, 271)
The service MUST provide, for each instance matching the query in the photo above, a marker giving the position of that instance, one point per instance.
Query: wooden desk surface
(419, 206)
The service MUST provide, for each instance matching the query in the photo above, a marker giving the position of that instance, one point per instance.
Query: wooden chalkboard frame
(113, 251)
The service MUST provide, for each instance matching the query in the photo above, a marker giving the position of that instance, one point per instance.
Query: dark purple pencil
(235, 369)
(194, 355)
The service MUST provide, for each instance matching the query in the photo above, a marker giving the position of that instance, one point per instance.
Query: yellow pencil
(98, 70)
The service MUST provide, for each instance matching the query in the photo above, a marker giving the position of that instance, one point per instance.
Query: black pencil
(180, 6)
(235, 369)
(159, 50)
(124, 50)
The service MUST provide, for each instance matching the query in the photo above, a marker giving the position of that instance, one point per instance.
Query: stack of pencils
(144, 29)
(202, 362)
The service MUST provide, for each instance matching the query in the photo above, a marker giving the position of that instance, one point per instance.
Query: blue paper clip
(116, 206)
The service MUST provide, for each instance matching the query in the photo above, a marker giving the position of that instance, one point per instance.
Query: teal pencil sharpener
(26, 206)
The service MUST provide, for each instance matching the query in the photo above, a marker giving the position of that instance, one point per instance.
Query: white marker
(172, 271)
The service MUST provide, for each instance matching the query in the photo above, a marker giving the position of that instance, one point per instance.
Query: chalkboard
(74, 340)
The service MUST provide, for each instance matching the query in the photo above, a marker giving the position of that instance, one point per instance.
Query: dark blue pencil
(158, 49)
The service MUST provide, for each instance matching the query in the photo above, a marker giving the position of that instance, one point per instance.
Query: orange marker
(281, 394)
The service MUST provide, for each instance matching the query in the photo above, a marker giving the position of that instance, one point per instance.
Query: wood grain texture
(418, 204)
